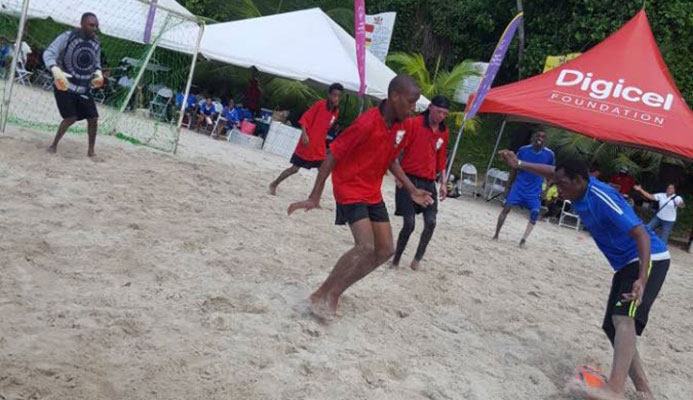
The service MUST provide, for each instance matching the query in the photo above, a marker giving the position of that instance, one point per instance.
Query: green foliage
(291, 94)
(609, 158)
(470, 29)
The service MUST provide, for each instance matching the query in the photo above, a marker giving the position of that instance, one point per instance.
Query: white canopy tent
(121, 19)
(301, 45)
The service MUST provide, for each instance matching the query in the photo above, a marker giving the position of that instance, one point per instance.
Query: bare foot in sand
(414, 264)
(273, 189)
(522, 243)
(321, 308)
(91, 153)
(495, 237)
(52, 149)
(394, 265)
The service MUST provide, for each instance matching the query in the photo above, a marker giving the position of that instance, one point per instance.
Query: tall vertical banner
(150, 22)
(379, 28)
(360, 36)
(493, 66)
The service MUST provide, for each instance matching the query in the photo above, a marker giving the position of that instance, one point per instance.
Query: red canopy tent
(620, 91)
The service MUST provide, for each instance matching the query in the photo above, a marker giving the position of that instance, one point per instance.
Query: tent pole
(362, 102)
(454, 150)
(13, 67)
(495, 148)
(138, 78)
(184, 104)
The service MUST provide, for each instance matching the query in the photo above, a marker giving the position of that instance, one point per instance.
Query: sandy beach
(143, 275)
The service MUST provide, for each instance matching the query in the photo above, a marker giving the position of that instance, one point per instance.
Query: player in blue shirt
(638, 257)
(525, 187)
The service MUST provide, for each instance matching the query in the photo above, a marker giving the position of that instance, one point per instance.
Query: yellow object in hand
(59, 78)
(97, 81)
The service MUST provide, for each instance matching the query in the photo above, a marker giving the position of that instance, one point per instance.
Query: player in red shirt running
(358, 160)
(311, 148)
(422, 160)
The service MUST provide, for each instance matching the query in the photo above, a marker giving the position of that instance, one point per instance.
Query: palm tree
(443, 82)
(610, 158)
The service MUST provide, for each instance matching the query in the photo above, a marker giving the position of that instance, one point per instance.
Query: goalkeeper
(74, 60)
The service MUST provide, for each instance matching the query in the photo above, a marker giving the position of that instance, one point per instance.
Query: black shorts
(301, 163)
(350, 213)
(73, 105)
(622, 283)
(404, 205)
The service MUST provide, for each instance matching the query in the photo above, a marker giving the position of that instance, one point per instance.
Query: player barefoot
(639, 258)
(526, 186)
(422, 159)
(311, 150)
(74, 59)
(358, 160)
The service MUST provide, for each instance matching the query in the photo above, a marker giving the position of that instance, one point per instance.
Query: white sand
(150, 276)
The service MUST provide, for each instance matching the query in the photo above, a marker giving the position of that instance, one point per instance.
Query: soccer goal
(148, 55)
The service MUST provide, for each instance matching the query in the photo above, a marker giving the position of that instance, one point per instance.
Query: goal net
(146, 57)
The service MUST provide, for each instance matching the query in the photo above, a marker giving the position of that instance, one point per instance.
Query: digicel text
(602, 89)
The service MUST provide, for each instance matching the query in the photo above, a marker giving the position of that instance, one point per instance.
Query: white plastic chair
(495, 183)
(159, 105)
(566, 213)
(45, 80)
(22, 76)
(220, 120)
(469, 181)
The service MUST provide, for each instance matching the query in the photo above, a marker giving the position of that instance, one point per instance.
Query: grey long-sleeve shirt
(77, 56)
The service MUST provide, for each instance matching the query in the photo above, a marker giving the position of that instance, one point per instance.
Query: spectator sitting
(551, 201)
(206, 114)
(191, 101)
(228, 114)
(240, 114)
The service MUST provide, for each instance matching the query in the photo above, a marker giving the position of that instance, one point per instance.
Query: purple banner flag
(493, 66)
(150, 22)
(360, 36)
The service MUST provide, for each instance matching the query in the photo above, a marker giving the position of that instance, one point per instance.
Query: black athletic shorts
(350, 213)
(73, 105)
(301, 163)
(404, 205)
(623, 283)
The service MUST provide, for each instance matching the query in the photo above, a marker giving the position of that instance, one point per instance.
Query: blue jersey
(207, 110)
(609, 219)
(528, 184)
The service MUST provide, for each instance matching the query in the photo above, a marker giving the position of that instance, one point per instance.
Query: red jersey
(624, 181)
(425, 154)
(364, 152)
(317, 121)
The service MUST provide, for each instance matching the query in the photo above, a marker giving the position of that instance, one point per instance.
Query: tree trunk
(521, 38)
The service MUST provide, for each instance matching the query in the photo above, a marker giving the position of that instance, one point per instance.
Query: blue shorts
(532, 203)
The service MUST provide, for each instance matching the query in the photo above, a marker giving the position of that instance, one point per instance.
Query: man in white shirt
(666, 211)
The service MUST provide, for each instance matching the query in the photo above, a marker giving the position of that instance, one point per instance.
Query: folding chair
(494, 185)
(219, 120)
(44, 79)
(468, 180)
(158, 107)
(99, 95)
(566, 213)
(22, 76)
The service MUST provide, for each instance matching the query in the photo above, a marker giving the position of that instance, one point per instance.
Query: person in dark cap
(422, 160)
